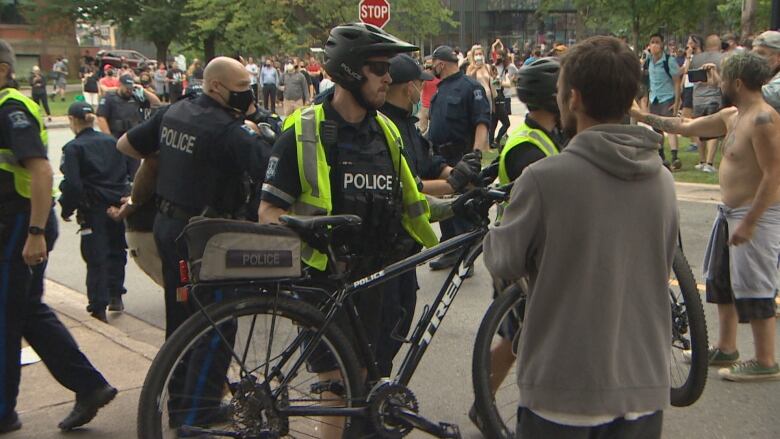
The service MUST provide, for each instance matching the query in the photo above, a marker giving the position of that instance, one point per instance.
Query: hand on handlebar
(474, 206)
(460, 176)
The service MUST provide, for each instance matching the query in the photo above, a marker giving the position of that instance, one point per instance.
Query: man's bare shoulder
(728, 115)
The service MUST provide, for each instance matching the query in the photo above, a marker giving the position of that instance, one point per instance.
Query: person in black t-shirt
(175, 79)
(38, 84)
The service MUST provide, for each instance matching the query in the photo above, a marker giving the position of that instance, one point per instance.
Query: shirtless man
(742, 269)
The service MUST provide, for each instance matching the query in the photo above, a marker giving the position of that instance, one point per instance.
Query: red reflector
(184, 272)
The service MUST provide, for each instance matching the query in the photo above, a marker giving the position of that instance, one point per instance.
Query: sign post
(376, 12)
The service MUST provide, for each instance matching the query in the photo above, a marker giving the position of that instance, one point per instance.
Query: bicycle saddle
(319, 222)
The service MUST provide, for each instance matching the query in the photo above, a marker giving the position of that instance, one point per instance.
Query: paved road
(443, 380)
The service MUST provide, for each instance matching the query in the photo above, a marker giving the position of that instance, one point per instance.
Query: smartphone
(697, 75)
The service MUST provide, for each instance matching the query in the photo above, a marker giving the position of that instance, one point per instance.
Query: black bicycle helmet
(349, 45)
(537, 84)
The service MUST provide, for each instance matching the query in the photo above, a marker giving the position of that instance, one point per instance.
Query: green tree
(731, 15)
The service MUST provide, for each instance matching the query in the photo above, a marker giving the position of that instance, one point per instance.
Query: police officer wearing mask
(369, 176)
(127, 107)
(459, 123)
(204, 149)
(28, 229)
(402, 105)
(95, 178)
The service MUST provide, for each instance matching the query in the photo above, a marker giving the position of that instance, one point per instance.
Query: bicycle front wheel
(232, 381)
(495, 351)
(688, 367)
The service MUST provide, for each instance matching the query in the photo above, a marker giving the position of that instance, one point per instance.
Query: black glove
(473, 206)
(460, 176)
(473, 160)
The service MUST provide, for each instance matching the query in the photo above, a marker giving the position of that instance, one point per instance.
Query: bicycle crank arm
(412, 419)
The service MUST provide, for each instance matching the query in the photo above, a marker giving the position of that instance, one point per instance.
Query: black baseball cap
(126, 80)
(404, 68)
(445, 53)
(80, 110)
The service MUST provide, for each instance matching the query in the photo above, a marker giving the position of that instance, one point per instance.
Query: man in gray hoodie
(594, 350)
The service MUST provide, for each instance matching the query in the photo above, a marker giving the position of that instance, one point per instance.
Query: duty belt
(173, 211)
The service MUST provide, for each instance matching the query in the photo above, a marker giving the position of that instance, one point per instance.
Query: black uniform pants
(200, 378)
(23, 314)
(42, 100)
(104, 249)
(269, 97)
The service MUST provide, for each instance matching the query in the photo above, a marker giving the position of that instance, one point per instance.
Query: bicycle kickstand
(442, 429)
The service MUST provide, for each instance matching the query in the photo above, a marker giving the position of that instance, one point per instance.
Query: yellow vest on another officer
(524, 134)
(8, 161)
(314, 173)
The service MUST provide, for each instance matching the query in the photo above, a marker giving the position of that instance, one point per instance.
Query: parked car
(134, 59)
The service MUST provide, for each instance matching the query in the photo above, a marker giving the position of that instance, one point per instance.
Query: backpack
(646, 67)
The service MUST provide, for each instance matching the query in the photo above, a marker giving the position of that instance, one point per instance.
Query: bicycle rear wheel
(198, 385)
(688, 366)
(496, 398)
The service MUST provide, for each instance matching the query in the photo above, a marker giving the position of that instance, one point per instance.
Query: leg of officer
(14, 278)
(94, 250)
(117, 257)
(166, 230)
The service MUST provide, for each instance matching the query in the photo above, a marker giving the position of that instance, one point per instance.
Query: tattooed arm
(765, 137)
(711, 126)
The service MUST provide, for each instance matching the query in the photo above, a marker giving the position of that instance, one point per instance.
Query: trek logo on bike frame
(365, 280)
(444, 305)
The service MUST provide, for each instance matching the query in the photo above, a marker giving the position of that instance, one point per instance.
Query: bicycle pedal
(450, 430)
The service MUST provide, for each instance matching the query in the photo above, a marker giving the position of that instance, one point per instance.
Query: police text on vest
(176, 140)
(368, 181)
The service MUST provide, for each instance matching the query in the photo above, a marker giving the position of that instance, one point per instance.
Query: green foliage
(731, 12)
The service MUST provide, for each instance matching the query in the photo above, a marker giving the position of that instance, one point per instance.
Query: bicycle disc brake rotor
(253, 410)
(382, 403)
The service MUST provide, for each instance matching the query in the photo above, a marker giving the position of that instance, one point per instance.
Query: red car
(135, 60)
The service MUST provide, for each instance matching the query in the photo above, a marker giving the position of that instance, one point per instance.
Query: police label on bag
(258, 258)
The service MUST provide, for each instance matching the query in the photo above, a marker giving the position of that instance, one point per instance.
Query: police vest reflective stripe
(314, 173)
(8, 161)
(524, 134)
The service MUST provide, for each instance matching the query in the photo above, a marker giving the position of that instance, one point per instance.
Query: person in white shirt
(254, 73)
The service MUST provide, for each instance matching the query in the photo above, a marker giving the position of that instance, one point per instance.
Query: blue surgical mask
(416, 108)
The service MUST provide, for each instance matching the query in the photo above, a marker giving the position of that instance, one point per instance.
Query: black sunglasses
(379, 68)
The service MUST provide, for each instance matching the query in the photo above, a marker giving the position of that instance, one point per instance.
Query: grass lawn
(687, 174)
(60, 108)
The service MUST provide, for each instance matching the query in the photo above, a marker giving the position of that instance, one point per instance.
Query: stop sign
(376, 12)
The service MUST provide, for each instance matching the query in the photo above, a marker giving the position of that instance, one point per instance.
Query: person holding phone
(664, 89)
(707, 98)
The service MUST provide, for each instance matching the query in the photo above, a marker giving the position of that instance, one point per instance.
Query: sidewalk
(123, 360)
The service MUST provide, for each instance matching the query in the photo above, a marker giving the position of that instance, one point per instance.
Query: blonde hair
(88, 121)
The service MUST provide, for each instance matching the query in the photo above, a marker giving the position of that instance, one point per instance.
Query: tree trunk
(580, 31)
(635, 35)
(748, 17)
(162, 51)
(210, 47)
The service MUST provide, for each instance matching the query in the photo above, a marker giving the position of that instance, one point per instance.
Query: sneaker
(716, 357)
(100, 315)
(676, 164)
(692, 148)
(750, 371)
(699, 167)
(10, 423)
(86, 407)
(116, 304)
(709, 169)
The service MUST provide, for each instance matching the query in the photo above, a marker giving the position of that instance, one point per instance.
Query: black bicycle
(498, 341)
(263, 337)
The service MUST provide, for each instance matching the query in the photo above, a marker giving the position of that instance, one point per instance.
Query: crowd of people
(177, 144)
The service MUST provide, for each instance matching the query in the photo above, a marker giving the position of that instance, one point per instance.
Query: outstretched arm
(708, 126)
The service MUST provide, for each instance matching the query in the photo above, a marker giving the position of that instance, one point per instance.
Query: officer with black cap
(28, 229)
(459, 124)
(204, 148)
(95, 178)
(125, 108)
(346, 138)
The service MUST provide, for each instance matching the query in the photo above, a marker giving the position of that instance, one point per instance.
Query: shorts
(662, 109)
(705, 109)
(746, 275)
(687, 97)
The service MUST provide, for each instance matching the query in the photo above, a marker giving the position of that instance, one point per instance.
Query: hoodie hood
(628, 152)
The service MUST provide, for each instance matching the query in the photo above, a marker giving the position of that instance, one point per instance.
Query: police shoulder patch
(249, 130)
(270, 171)
(19, 120)
(478, 94)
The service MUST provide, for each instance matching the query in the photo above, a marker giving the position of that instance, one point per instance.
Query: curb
(73, 304)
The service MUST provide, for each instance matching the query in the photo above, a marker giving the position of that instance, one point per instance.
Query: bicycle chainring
(381, 403)
(253, 411)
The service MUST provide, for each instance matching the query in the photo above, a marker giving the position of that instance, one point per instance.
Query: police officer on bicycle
(204, 149)
(357, 149)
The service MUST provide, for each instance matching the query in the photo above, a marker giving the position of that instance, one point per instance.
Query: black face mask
(241, 100)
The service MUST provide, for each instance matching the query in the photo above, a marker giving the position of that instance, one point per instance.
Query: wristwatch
(35, 230)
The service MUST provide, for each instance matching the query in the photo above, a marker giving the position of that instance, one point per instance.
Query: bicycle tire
(484, 401)
(150, 423)
(690, 391)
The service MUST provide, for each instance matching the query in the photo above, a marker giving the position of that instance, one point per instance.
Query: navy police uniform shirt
(417, 149)
(95, 172)
(19, 132)
(457, 108)
(123, 113)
